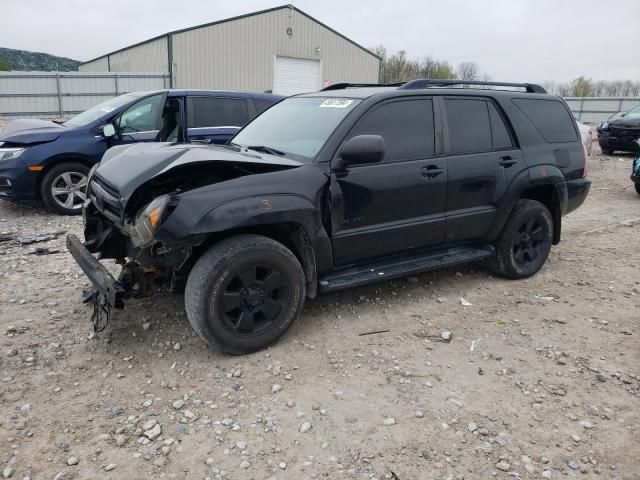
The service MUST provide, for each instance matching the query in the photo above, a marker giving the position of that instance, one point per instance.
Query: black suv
(330, 190)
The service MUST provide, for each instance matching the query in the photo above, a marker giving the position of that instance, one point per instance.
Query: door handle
(431, 171)
(201, 140)
(507, 161)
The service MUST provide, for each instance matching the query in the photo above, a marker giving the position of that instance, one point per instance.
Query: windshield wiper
(265, 149)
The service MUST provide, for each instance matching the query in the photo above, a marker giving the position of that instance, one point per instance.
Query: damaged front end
(148, 266)
(125, 219)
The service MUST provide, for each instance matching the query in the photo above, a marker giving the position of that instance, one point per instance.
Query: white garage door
(295, 75)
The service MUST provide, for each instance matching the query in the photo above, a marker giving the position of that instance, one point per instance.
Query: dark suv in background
(43, 160)
(620, 132)
(331, 190)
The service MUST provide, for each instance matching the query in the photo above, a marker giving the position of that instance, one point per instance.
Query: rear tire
(244, 293)
(63, 188)
(637, 185)
(525, 241)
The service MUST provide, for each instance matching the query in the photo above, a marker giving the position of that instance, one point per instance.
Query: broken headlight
(149, 219)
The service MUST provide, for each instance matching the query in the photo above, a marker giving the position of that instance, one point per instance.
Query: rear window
(550, 117)
(262, 105)
(205, 112)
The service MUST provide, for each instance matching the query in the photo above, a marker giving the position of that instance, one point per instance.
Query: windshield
(100, 110)
(634, 112)
(297, 126)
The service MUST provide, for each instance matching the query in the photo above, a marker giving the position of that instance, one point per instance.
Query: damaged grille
(625, 134)
(106, 199)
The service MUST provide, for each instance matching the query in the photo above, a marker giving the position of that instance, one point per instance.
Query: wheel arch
(549, 197)
(292, 235)
(543, 183)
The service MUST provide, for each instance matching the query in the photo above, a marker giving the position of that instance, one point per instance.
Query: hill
(25, 60)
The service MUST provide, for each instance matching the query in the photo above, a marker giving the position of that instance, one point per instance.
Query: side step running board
(401, 266)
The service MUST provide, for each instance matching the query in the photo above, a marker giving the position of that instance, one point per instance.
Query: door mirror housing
(362, 149)
(109, 130)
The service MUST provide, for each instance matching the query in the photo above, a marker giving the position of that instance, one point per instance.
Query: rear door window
(550, 117)
(261, 105)
(204, 112)
(469, 125)
(406, 126)
(499, 131)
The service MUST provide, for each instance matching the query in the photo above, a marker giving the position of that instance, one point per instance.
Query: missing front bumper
(107, 291)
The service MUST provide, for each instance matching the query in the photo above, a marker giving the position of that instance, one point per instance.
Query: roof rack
(342, 86)
(425, 83)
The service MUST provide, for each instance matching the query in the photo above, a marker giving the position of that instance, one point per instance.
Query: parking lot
(539, 378)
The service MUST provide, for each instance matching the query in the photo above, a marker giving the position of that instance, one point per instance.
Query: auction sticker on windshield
(336, 103)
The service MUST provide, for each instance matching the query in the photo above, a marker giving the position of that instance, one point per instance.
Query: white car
(586, 133)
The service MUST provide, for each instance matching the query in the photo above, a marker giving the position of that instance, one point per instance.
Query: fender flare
(532, 177)
(313, 243)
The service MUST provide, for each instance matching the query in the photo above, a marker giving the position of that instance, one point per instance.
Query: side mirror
(109, 130)
(362, 149)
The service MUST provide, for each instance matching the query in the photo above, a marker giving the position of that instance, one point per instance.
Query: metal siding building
(281, 49)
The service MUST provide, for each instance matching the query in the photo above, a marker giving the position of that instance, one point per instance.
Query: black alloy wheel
(244, 293)
(253, 298)
(523, 245)
(528, 242)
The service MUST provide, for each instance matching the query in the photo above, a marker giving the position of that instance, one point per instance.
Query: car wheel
(63, 188)
(525, 241)
(637, 185)
(607, 151)
(244, 293)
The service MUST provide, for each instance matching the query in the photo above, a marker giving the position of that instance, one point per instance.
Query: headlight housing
(10, 153)
(149, 219)
(604, 125)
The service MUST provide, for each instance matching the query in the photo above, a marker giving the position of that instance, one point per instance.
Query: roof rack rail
(426, 83)
(342, 86)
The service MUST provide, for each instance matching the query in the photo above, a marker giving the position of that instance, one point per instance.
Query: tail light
(585, 172)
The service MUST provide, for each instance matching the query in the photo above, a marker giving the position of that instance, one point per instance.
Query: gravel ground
(535, 379)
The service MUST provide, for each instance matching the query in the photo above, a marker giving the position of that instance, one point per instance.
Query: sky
(511, 40)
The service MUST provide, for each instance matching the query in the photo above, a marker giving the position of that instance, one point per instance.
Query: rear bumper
(577, 191)
(102, 280)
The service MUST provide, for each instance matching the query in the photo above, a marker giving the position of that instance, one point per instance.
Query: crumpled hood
(126, 167)
(28, 130)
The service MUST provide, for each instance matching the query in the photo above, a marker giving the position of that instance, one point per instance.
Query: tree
(399, 68)
(582, 87)
(4, 66)
(469, 71)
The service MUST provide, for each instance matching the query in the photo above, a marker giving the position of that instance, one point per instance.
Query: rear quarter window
(550, 117)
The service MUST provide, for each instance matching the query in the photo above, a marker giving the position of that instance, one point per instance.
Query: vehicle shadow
(167, 323)
(22, 209)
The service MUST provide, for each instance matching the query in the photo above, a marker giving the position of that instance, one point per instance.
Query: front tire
(63, 188)
(607, 151)
(525, 241)
(244, 293)
(637, 185)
